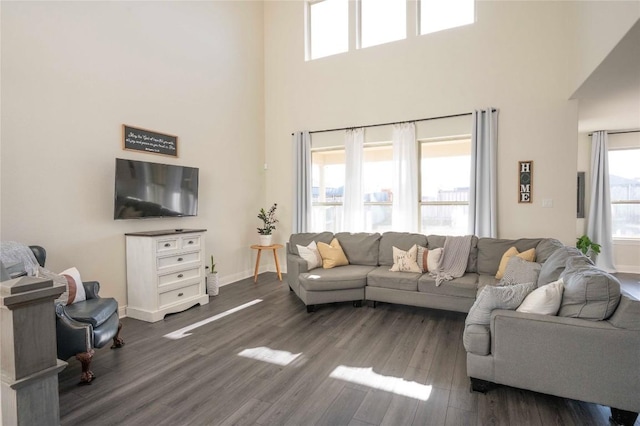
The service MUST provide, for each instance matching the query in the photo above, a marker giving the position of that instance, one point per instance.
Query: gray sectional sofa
(590, 351)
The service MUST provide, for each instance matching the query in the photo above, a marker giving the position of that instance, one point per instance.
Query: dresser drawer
(180, 276)
(190, 242)
(178, 260)
(179, 295)
(167, 245)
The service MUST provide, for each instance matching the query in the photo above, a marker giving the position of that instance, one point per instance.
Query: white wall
(513, 58)
(74, 72)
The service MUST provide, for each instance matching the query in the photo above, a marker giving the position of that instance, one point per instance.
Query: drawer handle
(180, 259)
(190, 241)
(167, 245)
(180, 294)
(180, 275)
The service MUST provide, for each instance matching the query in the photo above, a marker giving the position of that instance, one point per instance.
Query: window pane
(624, 182)
(437, 15)
(626, 220)
(329, 30)
(378, 218)
(445, 171)
(444, 220)
(327, 174)
(383, 21)
(326, 218)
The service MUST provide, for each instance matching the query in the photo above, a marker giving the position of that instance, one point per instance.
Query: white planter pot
(265, 240)
(213, 285)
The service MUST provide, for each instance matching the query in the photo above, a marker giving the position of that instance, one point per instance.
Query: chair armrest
(91, 288)
(73, 336)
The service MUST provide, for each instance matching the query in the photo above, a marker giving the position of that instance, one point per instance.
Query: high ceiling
(610, 98)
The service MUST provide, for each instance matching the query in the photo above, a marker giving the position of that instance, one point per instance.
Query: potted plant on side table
(588, 247)
(212, 279)
(268, 224)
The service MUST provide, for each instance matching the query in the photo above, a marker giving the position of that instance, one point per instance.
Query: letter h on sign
(525, 181)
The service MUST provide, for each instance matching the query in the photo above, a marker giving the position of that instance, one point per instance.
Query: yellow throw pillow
(332, 254)
(528, 255)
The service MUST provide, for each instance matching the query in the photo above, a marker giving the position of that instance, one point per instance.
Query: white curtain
(599, 222)
(405, 178)
(483, 219)
(302, 182)
(353, 209)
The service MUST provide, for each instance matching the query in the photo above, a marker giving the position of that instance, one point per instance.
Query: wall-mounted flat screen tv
(146, 190)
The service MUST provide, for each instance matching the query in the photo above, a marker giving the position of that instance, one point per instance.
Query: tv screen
(145, 190)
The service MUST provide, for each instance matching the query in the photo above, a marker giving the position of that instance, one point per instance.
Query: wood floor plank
(202, 380)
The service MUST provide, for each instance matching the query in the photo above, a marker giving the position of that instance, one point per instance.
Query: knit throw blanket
(11, 251)
(455, 259)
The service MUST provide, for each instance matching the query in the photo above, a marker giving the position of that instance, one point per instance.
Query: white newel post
(28, 352)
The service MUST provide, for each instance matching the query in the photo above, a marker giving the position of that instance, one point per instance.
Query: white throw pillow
(405, 261)
(429, 259)
(544, 300)
(74, 286)
(311, 254)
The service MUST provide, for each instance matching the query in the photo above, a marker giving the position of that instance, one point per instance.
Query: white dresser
(165, 272)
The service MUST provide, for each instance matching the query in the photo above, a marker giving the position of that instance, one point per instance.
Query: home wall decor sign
(525, 181)
(136, 139)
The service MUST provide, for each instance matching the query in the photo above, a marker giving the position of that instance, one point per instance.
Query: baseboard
(628, 269)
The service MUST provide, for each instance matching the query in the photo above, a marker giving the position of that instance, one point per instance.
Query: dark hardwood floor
(334, 357)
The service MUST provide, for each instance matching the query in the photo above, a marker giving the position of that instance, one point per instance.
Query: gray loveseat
(592, 353)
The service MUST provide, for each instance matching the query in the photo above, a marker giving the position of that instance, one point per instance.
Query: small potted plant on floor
(268, 224)
(588, 247)
(212, 279)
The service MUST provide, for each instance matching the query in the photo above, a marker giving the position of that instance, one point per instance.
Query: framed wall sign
(525, 181)
(136, 139)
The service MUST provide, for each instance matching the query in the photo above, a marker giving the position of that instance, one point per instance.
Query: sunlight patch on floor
(184, 332)
(367, 377)
(272, 356)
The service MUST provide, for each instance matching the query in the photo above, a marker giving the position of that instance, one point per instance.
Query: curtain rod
(616, 132)
(394, 122)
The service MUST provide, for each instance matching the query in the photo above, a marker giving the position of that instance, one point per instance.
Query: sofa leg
(357, 303)
(622, 417)
(375, 304)
(482, 386)
(85, 360)
(290, 289)
(311, 308)
(118, 341)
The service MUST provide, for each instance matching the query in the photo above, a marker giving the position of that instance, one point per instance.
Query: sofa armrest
(590, 361)
(295, 266)
(91, 288)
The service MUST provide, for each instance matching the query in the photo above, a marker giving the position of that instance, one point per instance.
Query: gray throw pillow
(492, 297)
(520, 271)
(589, 293)
(553, 267)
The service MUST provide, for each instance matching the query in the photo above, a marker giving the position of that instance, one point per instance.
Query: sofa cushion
(627, 314)
(528, 255)
(555, 264)
(311, 254)
(382, 277)
(437, 241)
(332, 254)
(402, 240)
(465, 286)
(545, 248)
(589, 293)
(544, 300)
(405, 261)
(342, 278)
(477, 339)
(497, 297)
(93, 311)
(520, 271)
(360, 248)
(490, 251)
(304, 238)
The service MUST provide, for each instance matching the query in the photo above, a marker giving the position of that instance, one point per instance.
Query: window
(438, 15)
(327, 28)
(382, 21)
(624, 183)
(445, 175)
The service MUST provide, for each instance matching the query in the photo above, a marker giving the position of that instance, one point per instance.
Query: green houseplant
(268, 224)
(588, 247)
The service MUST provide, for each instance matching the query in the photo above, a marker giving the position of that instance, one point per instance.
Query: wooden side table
(273, 247)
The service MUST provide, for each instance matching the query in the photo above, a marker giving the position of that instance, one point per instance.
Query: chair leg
(622, 417)
(118, 341)
(85, 359)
